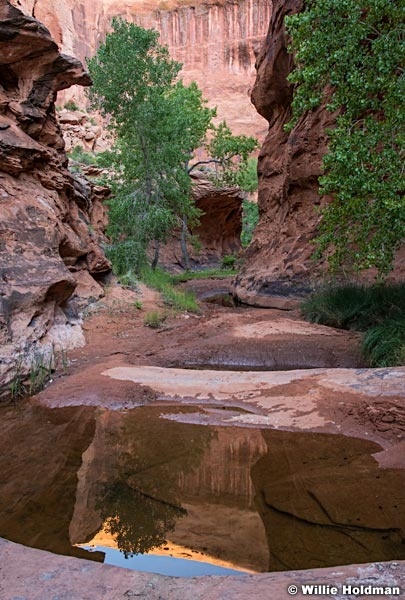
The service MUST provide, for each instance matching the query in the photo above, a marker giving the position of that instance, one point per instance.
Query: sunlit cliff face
(216, 42)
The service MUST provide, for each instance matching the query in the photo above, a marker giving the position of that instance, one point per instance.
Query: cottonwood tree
(350, 55)
(157, 123)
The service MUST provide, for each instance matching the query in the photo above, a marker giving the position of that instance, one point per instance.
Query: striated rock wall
(50, 222)
(278, 262)
(216, 40)
(289, 165)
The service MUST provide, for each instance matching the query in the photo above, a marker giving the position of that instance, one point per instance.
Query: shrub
(154, 319)
(384, 344)
(228, 261)
(129, 280)
(356, 307)
(71, 105)
(79, 154)
(376, 310)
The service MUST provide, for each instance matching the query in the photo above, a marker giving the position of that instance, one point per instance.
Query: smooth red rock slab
(37, 575)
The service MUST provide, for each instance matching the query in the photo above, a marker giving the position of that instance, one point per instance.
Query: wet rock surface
(41, 574)
(301, 415)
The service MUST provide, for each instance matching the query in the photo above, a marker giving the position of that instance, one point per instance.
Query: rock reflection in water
(40, 454)
(145, 480)
(324, 501)
(136, 522)
(137, 497)
(71, 475)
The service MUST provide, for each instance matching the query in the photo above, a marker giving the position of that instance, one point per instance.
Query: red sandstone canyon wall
(51, 222)
(278, 262)
(217, 42)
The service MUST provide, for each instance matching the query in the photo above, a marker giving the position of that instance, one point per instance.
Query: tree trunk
(156, 255)
(183, 243)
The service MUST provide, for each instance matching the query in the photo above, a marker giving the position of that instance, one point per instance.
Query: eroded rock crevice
(51, 223)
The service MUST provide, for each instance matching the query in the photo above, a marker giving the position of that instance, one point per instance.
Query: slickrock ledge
(35, 574)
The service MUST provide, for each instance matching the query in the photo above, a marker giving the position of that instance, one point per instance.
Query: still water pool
(136, 489)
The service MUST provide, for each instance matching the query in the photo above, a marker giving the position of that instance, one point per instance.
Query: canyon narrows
(238, 437)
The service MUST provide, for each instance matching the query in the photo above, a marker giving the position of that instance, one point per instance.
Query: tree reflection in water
(148, 457)
(137, 522)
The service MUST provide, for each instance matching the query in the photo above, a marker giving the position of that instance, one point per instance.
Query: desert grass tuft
(376, 310)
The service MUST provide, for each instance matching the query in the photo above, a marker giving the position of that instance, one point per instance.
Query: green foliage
(204, 274)
(32, 372)
(80, 155)
(177, 299)
(230, 154)
(157, 122)
(350, 55)
(377, 310)
(228, 261)
(129, 279)
(384, 344)
(354, 306)
(17, 387)
(71, 105)
(154, 319)
(250, 218)
(41, 370)
(247, 178)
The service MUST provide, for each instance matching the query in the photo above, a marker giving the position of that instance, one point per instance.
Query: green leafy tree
(157, 122)
(350, 55)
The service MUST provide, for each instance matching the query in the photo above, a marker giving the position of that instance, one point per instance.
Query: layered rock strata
(278, 262)
(50, 221)
(216, 40)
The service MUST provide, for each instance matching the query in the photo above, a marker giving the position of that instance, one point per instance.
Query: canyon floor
(239, 366)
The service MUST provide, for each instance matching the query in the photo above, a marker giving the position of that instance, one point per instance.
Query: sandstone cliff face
(216, 40)
(289, 166)
(278, 262)
(50, 222)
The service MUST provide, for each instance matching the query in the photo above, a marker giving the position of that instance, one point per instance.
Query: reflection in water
(40, 454)
(149, 479)
(133, 480)
(324, 501)
(139, 500)
(164, 565)
(137, 522)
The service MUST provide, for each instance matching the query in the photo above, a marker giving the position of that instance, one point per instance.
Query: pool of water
(163, 565)
(153, 493)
